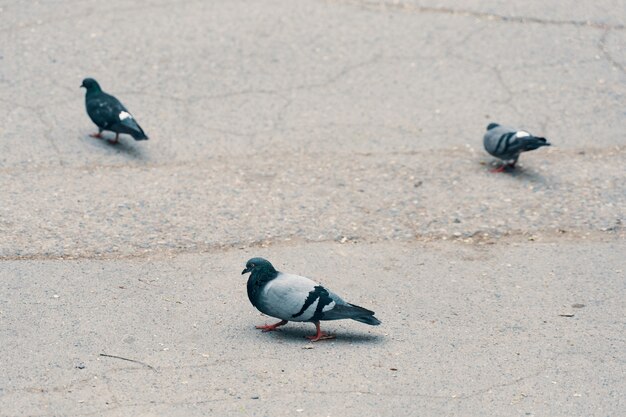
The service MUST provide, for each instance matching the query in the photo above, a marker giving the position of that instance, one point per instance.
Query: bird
(295, 298)
(108, 113)
(506, 144)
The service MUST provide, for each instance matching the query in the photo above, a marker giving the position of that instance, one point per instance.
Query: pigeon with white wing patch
(506, 144)
(296, 298)
(108, 113)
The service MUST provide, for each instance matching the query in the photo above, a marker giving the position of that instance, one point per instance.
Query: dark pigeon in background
(295, 298)
(507, 144)
(108, 113)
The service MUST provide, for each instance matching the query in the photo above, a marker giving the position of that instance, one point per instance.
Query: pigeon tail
(492, 126)
(371, 320)
(351, 311)
(530, 143)
(139, 135)
(131, 127)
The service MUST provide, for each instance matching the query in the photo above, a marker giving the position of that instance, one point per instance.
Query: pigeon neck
(94, 89)
(258, 279)
(264, 274)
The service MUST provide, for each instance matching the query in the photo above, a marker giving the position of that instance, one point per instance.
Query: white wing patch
(522, 134)
(125, 115)
(328, 307)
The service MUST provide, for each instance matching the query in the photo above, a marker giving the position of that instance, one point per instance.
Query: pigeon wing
(104, 110)
(296, 298)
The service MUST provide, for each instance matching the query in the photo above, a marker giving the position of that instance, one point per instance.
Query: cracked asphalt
(342, 140)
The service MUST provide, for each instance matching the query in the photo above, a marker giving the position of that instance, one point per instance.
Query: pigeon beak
(245, 271)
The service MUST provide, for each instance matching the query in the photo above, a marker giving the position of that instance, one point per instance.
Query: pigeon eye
(251, 265)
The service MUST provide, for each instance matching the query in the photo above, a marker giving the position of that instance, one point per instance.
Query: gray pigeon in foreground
(108, 113)
(295, 298)
(507, 144)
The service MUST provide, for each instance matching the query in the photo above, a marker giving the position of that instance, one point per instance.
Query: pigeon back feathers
(507, 143)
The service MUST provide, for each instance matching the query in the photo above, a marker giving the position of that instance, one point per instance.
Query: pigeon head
(91, 85)
(259, 265)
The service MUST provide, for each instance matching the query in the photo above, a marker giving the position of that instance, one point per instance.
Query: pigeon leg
(117, 135)
(319, 336)
(97, 135)
(272, 327)
(501, 168)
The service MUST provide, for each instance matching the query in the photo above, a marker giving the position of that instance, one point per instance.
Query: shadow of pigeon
(297, 336)
(123, 146)
(519, 172)
(528, 174)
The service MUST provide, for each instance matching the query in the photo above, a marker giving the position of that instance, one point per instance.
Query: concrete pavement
(506, 329)
(341, 140)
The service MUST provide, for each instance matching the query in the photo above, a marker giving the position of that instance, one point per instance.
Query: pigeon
(108, 113)
(295, 298)
(507, 144)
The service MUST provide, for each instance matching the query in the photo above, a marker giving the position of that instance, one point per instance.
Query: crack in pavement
(119, 406)
(491, 17)
(452, 397)
(366, 5)
(36, 108)
(107, 11)
(604, 50)
(506, 384)
(326, 83)
(469, 36)
(260, 91)
(167, 97)
(543, 124)
(509, 100)
(47, 128)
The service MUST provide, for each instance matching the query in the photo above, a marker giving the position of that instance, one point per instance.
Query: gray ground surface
(342, 140)
(467, 330)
